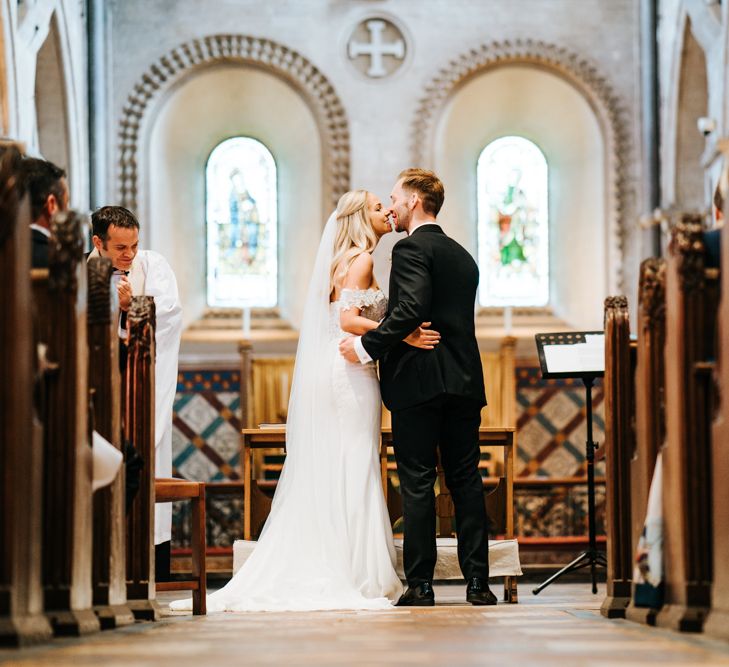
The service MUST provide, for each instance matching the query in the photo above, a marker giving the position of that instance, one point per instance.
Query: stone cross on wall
(376, 48)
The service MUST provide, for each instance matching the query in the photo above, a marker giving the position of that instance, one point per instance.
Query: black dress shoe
(419, 595)
(479, 593)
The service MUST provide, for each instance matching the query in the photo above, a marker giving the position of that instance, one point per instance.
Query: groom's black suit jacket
(433, 279)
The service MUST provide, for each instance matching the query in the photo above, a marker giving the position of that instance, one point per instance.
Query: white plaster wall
(24, 34)
(544, 108)
(209, 106)
(381, 111)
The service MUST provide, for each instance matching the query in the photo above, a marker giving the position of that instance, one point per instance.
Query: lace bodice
(371, 302)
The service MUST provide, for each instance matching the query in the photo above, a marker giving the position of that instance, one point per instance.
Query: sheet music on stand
(577, 354)
(574, 354)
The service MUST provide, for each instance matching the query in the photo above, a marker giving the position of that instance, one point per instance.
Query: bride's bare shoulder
(359, 275)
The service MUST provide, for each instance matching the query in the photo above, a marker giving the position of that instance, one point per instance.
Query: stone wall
(373, 126)
(44, 85)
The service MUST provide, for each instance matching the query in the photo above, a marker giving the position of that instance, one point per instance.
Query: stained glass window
(242, 267)
(513, 224)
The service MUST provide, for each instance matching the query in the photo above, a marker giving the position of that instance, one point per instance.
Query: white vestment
(151, 275)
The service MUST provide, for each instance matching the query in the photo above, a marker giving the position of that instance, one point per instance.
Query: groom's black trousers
(449, 424)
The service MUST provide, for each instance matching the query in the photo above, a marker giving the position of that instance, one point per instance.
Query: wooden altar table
(275, 437)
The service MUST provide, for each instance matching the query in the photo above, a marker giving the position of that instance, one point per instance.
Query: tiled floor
(561, 627)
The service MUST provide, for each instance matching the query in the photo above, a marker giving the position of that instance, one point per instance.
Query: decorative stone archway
(583, 75)
(262, 53)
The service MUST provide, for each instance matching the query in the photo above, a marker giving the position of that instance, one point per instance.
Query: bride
(327, 543)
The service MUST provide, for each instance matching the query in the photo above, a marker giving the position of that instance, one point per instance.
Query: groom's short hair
(427, 185)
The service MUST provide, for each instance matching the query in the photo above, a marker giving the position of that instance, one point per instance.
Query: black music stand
(579, 354)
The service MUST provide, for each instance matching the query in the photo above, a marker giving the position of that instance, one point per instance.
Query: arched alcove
(578, 75)
(280, 61)
(208, 106)
(540, 106)
(50, 100)
(692, 102)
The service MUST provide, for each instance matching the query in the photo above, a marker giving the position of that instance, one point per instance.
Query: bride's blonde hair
(354, 234)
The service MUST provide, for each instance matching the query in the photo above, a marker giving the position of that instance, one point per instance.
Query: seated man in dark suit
(712, 237)
(48, 190)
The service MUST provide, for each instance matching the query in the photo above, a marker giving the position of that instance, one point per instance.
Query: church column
(650, 120)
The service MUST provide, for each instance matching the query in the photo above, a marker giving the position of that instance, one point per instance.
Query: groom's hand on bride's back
(424, 337)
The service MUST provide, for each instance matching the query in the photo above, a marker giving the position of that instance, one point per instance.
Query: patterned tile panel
(552, 432)
(205, 447)
(551, 444)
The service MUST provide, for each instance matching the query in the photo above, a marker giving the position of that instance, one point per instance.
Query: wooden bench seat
(171, 490)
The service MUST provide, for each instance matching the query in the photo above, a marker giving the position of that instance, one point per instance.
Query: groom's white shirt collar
(422, 224)
(46, 232)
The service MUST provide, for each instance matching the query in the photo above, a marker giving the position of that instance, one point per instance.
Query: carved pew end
(683, 618)
(73, 622)
(20, 632)
(113, 616)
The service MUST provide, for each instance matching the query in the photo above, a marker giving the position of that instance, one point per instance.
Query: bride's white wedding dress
(327, 543)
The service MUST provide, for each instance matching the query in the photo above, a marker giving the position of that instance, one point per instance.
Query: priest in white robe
(147, 273)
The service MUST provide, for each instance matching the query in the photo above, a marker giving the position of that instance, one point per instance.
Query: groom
(435, 396)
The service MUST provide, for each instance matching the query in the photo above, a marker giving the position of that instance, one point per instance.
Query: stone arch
(54, 141)
(691, 102)
(580, 73)
(263, 53)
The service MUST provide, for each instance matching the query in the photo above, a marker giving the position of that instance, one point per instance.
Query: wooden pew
(139, 428)
(21, 600)
(67, 470)
(690, 320)
(618, 386)
(650, 426)
(109, 569)
(717, 623)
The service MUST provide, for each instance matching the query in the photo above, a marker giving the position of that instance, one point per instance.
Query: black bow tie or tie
(119, 272)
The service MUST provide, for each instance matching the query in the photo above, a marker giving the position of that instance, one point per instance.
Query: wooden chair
(171, 490)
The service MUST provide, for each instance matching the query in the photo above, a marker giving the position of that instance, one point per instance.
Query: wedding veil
(307, 504)
(302, 559)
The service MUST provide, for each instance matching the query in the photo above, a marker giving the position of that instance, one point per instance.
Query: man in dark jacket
(48, 190)
(435, 396)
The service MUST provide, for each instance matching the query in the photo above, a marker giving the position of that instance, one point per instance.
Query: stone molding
(580, 72)
(262, 53)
